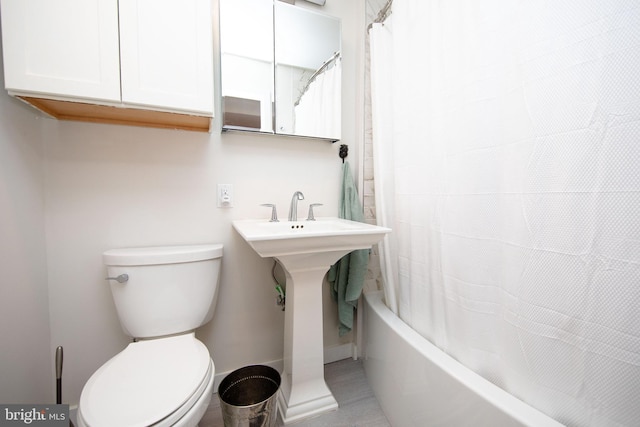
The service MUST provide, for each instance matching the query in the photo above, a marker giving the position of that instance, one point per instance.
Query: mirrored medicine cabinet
(280, 69)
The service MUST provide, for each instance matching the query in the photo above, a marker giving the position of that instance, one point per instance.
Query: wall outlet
(225, 195)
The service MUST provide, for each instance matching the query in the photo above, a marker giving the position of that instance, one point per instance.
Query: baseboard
(340, 352)
(278, 365)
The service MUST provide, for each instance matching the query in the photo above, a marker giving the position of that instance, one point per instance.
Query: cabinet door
(166, 49)
(62, 47)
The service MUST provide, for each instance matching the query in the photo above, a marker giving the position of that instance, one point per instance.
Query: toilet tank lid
(162, 254)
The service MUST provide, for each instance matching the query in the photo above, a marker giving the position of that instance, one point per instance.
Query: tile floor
(347, 381)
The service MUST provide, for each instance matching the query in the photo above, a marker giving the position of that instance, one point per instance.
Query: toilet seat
(151, 382)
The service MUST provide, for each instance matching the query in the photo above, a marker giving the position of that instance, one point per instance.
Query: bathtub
(417, 384)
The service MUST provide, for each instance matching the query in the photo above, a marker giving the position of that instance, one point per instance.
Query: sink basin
(273, 239)
(306, 250)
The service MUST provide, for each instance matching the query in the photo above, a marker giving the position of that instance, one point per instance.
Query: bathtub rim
(495, 396)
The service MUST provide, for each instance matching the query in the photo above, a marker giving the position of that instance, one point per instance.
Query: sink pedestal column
(303, 391)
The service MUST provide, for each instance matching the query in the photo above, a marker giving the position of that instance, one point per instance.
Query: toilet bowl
(156, 382)
(165, 377)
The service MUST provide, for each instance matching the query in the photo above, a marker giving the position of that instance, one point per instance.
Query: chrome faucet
(293, 209)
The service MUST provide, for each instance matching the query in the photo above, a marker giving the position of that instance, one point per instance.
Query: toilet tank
(170, 289)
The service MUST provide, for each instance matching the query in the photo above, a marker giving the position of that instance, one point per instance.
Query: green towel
(347, 275)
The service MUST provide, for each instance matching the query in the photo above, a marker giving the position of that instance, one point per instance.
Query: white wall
(26, 358)
(110, 187)
(115, 186)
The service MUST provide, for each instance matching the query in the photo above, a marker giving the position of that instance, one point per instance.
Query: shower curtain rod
(319, 71)
(382, 15)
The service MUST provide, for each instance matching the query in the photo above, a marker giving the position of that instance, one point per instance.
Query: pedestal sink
(306, 250)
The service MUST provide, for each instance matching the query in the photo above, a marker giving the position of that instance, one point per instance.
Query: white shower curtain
(319, 109)
(382, 130)
(513, 142)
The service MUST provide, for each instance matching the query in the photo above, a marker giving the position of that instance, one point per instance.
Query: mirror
(246, 49)
(280, 69)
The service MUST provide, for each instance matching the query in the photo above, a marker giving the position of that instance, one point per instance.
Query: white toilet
(164, 377)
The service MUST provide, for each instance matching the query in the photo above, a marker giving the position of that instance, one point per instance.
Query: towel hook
(344, 151)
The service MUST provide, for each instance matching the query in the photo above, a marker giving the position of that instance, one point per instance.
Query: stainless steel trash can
(248, 397)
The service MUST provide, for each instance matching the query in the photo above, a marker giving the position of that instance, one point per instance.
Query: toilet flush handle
(120, 279)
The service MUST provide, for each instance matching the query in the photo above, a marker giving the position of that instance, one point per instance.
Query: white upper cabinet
(142, 54)
(166, 52)
(62, 47)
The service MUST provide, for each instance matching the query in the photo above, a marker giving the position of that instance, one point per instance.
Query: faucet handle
(310, 217)
(274, 212)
